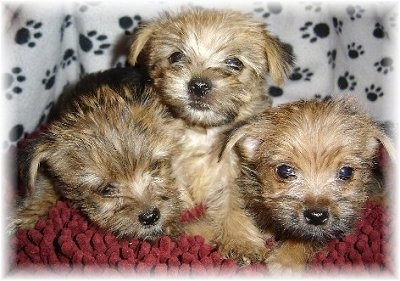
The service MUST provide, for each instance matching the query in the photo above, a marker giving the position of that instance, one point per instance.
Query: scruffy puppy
(110, 154)
(307, 168)
(209, 68)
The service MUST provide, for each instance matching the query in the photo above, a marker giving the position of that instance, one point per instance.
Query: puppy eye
(234, 63)
(345, 173)
(108, 190)
(286, 172)
(176, 57)
(156, 165)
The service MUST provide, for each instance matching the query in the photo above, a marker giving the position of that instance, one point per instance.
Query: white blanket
(345, 47)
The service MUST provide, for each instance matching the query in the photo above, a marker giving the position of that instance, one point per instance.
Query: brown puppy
(209, 68)
(307, 168)
(110, 154)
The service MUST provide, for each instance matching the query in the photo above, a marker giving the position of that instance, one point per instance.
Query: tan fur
(229, 54)
(316, 201)
(109, 153)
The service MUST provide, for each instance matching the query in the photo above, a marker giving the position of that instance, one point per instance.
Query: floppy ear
(30, 159)
(387, 143)
(139, 40)
(280, 59)
(243, 137)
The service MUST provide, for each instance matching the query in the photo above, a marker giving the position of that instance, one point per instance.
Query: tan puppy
(307, 169)
(209, 68)
(105, 153)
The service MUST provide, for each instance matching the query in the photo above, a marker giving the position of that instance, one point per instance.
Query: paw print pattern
(354, 51)
(45, 113)
(337, 24)
(393, 21)
(128, 24)
(373, 92)
(29, 34)
(274, 8)
(68, 58)
(90, 40)
(12, 82)
(67, 22)
(385, 65)
(301, 74)
(346, 82)
(50, 78)
(379, 31)
(354, 12)
(316, 7)
(274, 91)
(332, 57)
(16, 133)
(323, 98)
(320, 30)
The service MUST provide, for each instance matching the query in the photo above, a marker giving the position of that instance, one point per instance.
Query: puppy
(109, 152)
(307, 170)
(209, 68)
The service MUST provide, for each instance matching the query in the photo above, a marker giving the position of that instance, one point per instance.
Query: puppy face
(209, 66)
(112, 164)
(309, 164)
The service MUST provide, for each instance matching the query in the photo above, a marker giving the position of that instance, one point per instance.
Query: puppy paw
(280, 262)
(244, 253)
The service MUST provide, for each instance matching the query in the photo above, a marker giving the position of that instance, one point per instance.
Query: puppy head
(309, 164)
(112, 164)
(209, 66)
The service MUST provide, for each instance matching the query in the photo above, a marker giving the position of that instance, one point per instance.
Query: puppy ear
(139, 40)
(30, 159)
(387, 143)
(280, 59)
(243, 137)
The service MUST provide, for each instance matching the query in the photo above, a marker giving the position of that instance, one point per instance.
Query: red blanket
(67, 242)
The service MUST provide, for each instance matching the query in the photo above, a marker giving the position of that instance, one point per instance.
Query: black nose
(316, 216)
(199, 87)
(149, 217)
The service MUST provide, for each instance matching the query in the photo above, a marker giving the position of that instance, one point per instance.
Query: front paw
(244, 253)
(284, 263)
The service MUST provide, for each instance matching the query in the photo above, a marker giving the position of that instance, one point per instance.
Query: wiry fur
(230, 53)
(316, 139)
(109, 153)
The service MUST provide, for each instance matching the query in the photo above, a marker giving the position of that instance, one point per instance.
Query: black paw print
(50, 78)
(323, 98)
(12, 82)
(384, 65)
(67, 22)
(355, 12)
(29, 33)
(332, 57)
(274, 91)
(45, 113)
(373, 93)
(128, 24)
(68, 58)
(354, 51)
(86, 42)
(16, 133)
(299, 74)
(379, 31)
(320, 30)
(337, 24)
(346, 82)
(274, 8)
